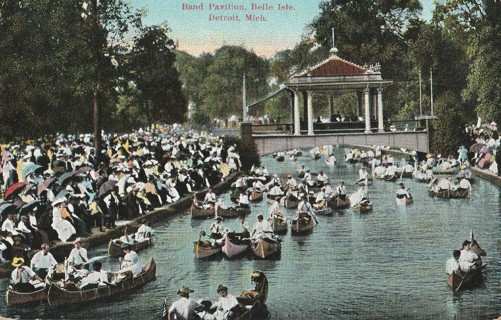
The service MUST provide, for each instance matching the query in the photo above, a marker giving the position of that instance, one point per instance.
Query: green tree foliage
(160, 90)
(367, 31)
(449, 129)
(222, 88)
(201, 120)
(484, 81)
(192, 72)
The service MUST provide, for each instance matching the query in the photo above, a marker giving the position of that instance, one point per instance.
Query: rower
(21, 276)
(402, 192)
(261, 228)
(217, 230)
(43, 261)
(184, 308)
(78, 255)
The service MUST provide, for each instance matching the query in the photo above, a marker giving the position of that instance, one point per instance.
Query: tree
(449, 129)
(484, 81)
(222, 88)
(154, 72)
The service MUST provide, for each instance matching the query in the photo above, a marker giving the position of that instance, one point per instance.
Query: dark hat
(184, 290)
(221, 288)
(218, 218)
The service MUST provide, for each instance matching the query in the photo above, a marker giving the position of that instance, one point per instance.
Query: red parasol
(13, 189)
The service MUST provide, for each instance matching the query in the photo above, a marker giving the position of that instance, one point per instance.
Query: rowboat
(60, 296)
(234, 246)
(232, 212)
(255, 196)
(337, 203)
(304, 223)
(391, 178)
(280, 158)
(448, 194)
(278, 225)
(266, 248)
(13, 297)
(404, 201)
(358, 208)
(324, 211)
(289, 203)
(204, 249)
(470, 279)
(407, 174)
(197, 212)
(115, 250)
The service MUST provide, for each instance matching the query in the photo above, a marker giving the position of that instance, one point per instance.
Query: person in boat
(464, 185)
(243, 201)
(452, 264)
(444, 184)
(276, 190)
(244, 227)
(275, 181)
(43, 261)
(217, 230)
(402, 192)
(78, 255)
(21, 276)
(341, 190)
(321, 178)
(306, 207)
(330, 158)
(130, 261)
(328, 191)
(143, 233)
(261, 228)
(468, 259)
(258, 186)
(379, 172)
(408, 168)
(223, 307)
(363, 174)
(291, 183)
(320, 199)
(209, 200)
(95, 278)
(184, 308)
(248, 297)
(391, 170)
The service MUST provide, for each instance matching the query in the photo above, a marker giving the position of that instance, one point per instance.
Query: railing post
(246, 131)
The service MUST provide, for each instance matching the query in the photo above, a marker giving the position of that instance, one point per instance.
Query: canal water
(388, 264)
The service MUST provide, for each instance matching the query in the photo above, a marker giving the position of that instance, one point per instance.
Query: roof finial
(333, 50)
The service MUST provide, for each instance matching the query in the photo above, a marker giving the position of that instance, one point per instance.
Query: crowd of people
(60, 189)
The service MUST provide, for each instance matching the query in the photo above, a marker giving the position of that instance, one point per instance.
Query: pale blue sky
(196, 34)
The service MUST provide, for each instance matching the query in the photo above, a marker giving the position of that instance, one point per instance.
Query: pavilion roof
(332, 67)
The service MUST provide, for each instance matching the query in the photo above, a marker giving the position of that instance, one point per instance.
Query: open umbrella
(82, 170)
(106, 187)
(64, 177)
(62, 194)
(14, 189)
(45, 184)
(476, 147)
(6, 207)
(27, 207)
(30, 168)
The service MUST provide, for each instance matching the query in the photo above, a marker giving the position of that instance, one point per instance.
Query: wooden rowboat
(289, 203)
(233, 247)
(337, 203)
(404, 201)
(278, 225)
(448, 194)
(59, 296)
(362, 208)
(115, 249)
(13, 297)
(204, 249)
(232, 212)
(304, 223)
(470, 279)
(266, 248)
(197, 213)
(255, 196)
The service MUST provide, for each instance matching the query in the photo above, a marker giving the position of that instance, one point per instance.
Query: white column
(380, 119)
(367, 111)
(297, 119)
(310, 113)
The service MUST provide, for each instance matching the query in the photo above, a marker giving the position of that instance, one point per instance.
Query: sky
(264, 26)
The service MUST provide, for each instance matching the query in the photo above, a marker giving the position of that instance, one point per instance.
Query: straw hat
(16, 262)
(184, 290)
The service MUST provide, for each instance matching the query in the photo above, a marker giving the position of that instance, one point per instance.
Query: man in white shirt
(78, 255)
(94, 278)
(452, 265)
(43, 261)
(184, 308)
(21, 276)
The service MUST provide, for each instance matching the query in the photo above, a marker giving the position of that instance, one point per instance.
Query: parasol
(106, 187)
(14, 189)
(45, 184)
